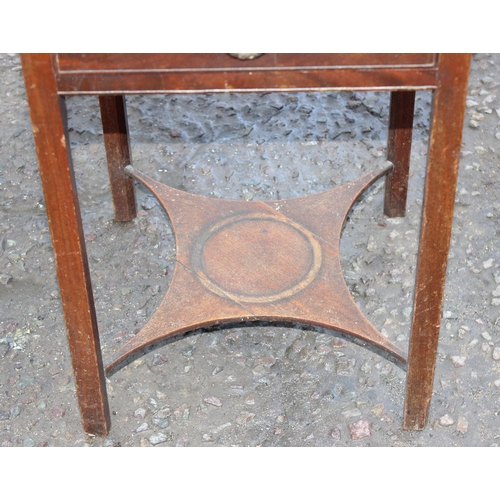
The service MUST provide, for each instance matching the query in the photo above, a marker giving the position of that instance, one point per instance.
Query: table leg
(56, 171)
(116, 141)
(398, 152)
(437, 217)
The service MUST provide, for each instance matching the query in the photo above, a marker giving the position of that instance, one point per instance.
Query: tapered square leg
(437, 217)
(61, 201)
(117, 144)
(398, 152)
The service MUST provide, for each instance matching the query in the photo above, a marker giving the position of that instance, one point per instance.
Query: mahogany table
(248, 260)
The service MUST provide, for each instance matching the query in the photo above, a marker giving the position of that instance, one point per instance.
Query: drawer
(169, 73)
(97, 63)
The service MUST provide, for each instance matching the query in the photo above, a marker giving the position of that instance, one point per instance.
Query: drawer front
(168, 73)
(97, 63)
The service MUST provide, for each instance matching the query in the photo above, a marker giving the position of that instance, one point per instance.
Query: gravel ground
(272, 385)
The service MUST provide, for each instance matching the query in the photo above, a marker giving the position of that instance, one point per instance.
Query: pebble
(57, 411)
(354, 412)
(446, 421)
(162, 423)
(497, 383)
(158, 438)
(463, 330)
(140, 412)
(217, 369)
(372, 244)
(496, 353)
(213, 401)
(488, 263)
(486, 336)
(458, 361)
(28, 442)
(148, 204)
(260, 371)
(360, 430)
(143, 427)
(188, 351)
(244, 417)
(335, 434)
(462, 425)
(5, 278)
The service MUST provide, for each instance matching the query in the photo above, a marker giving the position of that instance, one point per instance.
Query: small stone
(462, 331)
(486, 336)
(497, 383)
(372, 244)
(496, 353)
(213, 401)
(473, 124)
(495, 302)
(140, 412)
(148, 204)
(488, 263)
(335, 434)
(244, 417)
(143, 427)
(446, 421)
(393, 235)
(354, 412)
(260, 371)
(462, 425)
(28, 442)
(339, 343)
(158, 438)
(360, 430)
(56, 412)
(159, 359)
(5, 278)
(471, 103)
(4, 415)
(163, 413)
(162, 423)
(188, 351)
(378, 410)
(250, 399)
(458, 361)
(217, 369)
